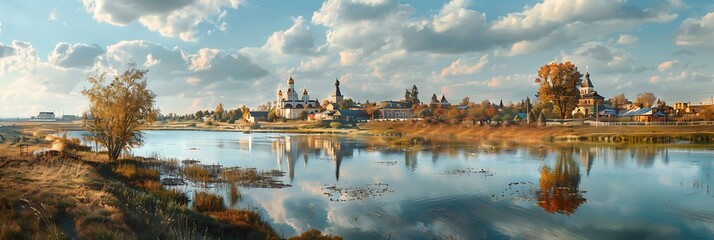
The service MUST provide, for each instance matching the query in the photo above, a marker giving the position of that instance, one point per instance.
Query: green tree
(303, 115)
(118, 109)
(415, 95)
(346, 103)
(559, 84)
(407, 96)
(199, 115)
(335, 124)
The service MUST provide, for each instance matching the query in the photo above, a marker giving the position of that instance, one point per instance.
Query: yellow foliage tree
(118, 109)
(559, 84)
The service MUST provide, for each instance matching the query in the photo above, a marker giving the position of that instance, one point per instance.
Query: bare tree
(118, 109)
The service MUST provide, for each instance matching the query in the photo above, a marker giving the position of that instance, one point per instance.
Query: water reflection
(289, 148)
(576, 191)
(559, 185)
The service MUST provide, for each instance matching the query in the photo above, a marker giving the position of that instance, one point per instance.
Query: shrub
(134, 173)
(197, 173)
(206, 202)
(335, 124)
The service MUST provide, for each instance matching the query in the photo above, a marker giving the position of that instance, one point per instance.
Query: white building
(289, 105)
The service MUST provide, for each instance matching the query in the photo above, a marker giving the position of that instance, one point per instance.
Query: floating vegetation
(517, 191)
(468, 172)
(252, 178)
(385, 163)
(171, 181)
(343, 194)
(190, 161)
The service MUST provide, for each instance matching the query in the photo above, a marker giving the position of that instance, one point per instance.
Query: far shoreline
(405, 131)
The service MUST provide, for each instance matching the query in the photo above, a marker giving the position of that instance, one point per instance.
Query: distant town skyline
(235, 52)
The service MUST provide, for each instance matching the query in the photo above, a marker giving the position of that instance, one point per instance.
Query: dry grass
(314, 234)
(197, 173)
(56, 200)
(207, 202)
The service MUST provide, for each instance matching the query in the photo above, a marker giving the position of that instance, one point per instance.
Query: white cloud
(697, 32)
(28, 83)
(18, 57)
(295, 40)
(78, 56)
(601, 56)
(179, 18)
(53, 15)
(457, 29)
(464, 66)
(626, 39)
(666, 65)
(654, 79)
(151, 61)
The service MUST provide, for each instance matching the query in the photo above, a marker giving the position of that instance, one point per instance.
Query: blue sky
(200, 53)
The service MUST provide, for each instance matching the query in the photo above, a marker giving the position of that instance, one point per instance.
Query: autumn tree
(370, 109)
(645, 99)
(219, 111)
(245, 110)
(465, 101)
(618, 102)
(559, 84)
(118, 109)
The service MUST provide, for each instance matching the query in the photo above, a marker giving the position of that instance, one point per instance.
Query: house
(590, 101)
(69, 118)
(351, 115)
(395, 110)
(254, 116)
(644, 115)
(44, 117)
(324, 115)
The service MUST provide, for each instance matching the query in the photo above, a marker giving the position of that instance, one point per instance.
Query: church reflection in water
(290, 149)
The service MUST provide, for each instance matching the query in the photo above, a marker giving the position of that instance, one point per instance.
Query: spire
(280, 92)
(337, 88)
(443, 99)
(290, 80)
(304, 92)
(586, 82)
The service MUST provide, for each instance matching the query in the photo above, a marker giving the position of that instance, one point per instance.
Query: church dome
(280, 92)
(304, 91)
(291, 81)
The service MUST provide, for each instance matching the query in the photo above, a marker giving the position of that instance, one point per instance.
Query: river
(496, 190)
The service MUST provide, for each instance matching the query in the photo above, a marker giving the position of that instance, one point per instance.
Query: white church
(290, 105)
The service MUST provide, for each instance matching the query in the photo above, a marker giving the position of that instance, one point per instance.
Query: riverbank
(85, 196)
(406, 132)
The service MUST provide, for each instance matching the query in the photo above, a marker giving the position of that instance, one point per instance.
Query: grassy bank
(409, 132)
(59, 198)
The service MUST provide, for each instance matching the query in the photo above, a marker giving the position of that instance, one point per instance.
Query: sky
(239, 52)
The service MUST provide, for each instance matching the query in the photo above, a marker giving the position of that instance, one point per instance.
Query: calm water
(486, 190)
